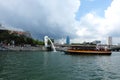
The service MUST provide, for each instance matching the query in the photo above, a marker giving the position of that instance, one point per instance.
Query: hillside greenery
(8, 38)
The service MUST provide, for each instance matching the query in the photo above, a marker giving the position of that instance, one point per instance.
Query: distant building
(118, 44)
(96, 42)
(27, 34)
(109, 40)
(3, 28)
(67, 40)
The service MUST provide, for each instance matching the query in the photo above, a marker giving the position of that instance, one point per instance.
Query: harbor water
(58, 66)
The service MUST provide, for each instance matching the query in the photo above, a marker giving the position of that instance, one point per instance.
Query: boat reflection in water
(87, 49)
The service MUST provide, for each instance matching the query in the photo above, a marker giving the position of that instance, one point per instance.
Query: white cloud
(112, 16)
(89, 25)
(101, 27)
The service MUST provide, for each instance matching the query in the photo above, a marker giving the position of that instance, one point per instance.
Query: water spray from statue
(46, 38)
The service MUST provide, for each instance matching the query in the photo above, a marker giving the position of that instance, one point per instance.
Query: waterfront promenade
(21, 48)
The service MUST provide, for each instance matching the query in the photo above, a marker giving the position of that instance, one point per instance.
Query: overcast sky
(82, 20)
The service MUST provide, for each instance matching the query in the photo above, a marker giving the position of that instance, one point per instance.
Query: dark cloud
(40, 17)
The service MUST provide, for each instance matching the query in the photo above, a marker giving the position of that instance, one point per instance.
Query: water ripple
(56, 66)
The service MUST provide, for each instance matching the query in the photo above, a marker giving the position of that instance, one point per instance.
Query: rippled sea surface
(58, 66)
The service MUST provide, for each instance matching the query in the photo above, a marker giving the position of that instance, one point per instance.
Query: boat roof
(82, 45)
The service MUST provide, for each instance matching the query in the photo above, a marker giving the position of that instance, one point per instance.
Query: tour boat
(87, 49)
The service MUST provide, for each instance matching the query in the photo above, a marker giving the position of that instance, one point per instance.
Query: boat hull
(78, 52)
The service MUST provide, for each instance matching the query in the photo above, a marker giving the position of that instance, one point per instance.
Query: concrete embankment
(2, 49)
(23, 48)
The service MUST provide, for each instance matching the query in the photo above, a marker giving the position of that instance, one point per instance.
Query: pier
(115, 48)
